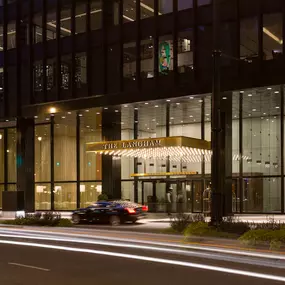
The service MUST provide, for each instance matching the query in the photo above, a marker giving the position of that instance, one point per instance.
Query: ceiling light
(168, 100)
(105, 108)
(253, 110)
(36, 117)
(40, 138)
(146, 103)
(69, 113)
(172, 118)
(63, 117)
(98, 113)
(277, 107)
(191, 97)
(249, 95)
(80, 115)
(116, 111)
(224, 98)
(177, 103)
(276, 92)
(86, 110)
(241, 91)
(200, 101)
(269, 88)
(156, 106)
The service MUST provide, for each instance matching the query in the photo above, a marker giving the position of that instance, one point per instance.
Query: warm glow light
(40, 138)
(52, 110)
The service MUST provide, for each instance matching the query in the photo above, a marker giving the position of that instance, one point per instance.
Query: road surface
(87, 256)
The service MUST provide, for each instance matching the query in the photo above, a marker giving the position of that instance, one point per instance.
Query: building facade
(79, 73)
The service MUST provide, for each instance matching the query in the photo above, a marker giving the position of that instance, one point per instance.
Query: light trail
(152, 248)
(168, 244)
(151, 259)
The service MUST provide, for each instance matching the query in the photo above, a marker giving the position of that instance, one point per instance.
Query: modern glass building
(115, 97)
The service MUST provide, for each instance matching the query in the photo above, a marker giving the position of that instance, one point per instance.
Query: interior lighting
(272, 36)
(52, 110)
(40, 138)
(249, 95)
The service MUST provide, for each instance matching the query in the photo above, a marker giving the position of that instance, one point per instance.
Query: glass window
(147, 58)
(65, 147)
(90, 131)
(42, 153)
(165, 6)
(81, 69)
(208, 130)
(185, 51)
(80, 17)
(1, 37)
(130, 60)
(89, 193)
(51, 25)
(38, 29)
(1, 156)
(185, 4)
(12, 153)
(66, 62)
(129, 11)
(248, 38)
(272, 36)
(96, 14)
(11, 36)
(127, 133)
(165, 54)
(203, 2)
(128, 190)
(235, 132)
(65, 196)
(262, 195)
(261, 132)
(43, 196)
(147, 8)
(65, 21)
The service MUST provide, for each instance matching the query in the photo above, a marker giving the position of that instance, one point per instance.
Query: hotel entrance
(180, 194)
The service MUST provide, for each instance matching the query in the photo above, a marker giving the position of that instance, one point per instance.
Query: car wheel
(76, 219)
(114, 221)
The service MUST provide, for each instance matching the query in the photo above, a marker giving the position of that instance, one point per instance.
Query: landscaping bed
(46, 219)
(267, 235)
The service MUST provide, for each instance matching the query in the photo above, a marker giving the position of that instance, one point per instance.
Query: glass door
(197, 197)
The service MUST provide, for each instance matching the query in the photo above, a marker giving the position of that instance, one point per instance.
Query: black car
(112, 212)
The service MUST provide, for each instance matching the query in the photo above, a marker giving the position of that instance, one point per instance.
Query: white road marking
(28, 266)
(152, 259)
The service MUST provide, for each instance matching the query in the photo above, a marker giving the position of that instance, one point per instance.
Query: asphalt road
(59, 257)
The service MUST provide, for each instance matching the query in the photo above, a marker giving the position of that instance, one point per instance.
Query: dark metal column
(58, 52)
(73, 53)
(203, 137)
(138, 44)
(25, 161)
(156, 43)
(31, 54)
(111, 166)
(44, 38)
(241, 151)
(175, 41)
(136, 132)
(217, 199)
(6, 159)
(5, 63)
(78, 160)
(89, 52)
(282, 147)
(52, 161)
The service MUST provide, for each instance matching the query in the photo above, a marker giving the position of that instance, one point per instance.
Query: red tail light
(145, 208)
(131, 211)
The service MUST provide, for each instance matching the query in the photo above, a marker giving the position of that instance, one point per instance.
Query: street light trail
(151, 259)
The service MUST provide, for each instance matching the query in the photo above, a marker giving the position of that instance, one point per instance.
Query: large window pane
(42, 153)
(235, 133)
(248, 38)
(96, 15)
(185, 51)
(272, 36)
(65, 147)
(89, 193)
(165, 63)
(165, 6)
(129, 11)
(51, 25)
(130, 60)
(65, 21)
(261, 131)
(147, 8)
(147, 59)
(185, 4)
(80, 17)
(43, 196)
(11, 36)
(65, 196)
(90, 131)
(12, 153)
(262, 195)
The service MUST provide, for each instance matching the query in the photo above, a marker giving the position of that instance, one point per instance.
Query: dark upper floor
(118, 51)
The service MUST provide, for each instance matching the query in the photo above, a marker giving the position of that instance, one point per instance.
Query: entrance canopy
(176, 148)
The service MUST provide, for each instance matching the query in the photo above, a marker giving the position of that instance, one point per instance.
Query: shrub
(238, 228)
(198, 229)
(103, 197)
(181, 221)
(66, 223)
